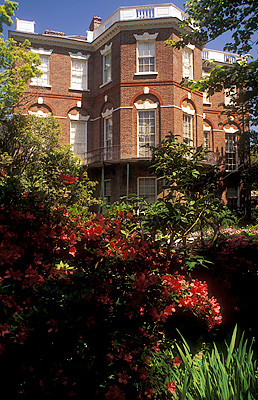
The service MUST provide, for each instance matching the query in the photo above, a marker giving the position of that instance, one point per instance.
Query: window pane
(147, 189)
(146, 132)
(146, 56)
(108, 138)
(231, 152)
(78, 138)
(79, 74)
(188, 127)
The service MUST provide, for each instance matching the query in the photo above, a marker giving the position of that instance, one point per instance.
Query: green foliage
(6, 12)
(190, 200)
(212, 373)
(18, 66)
(35, 163)
(211, 18)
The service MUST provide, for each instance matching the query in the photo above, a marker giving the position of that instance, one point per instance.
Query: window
(147, 188)
(146, 132)
(187, 63)
(146, 56)
(44, 79)
(233, 197)
(229, 95)
(107, 191)
(78, 138)
(206, 141)
(231, 152)
(146, 53)
(107, 67)
(79, 71)
(188, 128)
(108, 137)
(107, 63)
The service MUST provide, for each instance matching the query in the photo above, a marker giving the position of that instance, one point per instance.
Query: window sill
(39, 85)
(105, 84)
(146, 73)
(207, 103)
(79, 90)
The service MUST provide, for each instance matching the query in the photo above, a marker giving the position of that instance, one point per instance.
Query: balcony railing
(130, 151)
(220, 56)
(118, 153)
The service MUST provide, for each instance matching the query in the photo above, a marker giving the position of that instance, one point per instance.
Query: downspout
(127, 181)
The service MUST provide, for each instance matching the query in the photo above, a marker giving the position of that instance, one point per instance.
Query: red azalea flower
(172, 387)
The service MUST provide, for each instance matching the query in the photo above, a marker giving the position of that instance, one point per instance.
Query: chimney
(95, 23)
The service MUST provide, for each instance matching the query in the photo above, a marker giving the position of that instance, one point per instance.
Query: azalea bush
(232, 272)
(83, 305)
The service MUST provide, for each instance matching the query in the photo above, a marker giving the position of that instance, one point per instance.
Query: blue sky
(74, 17)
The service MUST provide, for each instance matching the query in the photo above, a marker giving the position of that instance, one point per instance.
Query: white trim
(146, 36)
(41, 51)
(39, 113)
(107, 113)
(146, 73)
(104, 84)
(146, 105)
(191, 46)
(187, 110)
(106, 49)
(230, 130)
(171, 106)
(206, 128)
(79, 56)
(79, 117)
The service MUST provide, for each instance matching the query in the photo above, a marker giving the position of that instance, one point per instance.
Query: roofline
(114, 29)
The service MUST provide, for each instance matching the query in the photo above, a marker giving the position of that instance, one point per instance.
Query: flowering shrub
(83, 304)
(233, 271)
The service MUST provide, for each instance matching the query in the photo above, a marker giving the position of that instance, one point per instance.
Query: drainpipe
(127, 181)
(102, 187)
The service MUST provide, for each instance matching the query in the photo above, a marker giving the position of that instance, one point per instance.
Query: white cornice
(146, 36)
(146, 105)
(106, 49)
(107, 113)
(117, 27)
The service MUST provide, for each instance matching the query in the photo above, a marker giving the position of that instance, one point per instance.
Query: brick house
(118, 89)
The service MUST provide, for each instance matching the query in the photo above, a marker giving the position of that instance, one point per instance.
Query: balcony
(219, 56)
(118, 153)
(138, 13)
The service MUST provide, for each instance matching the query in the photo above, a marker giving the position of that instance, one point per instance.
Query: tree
(207, 20)
(35, 163)
(190, 200)
(211, 18)
(17, 66)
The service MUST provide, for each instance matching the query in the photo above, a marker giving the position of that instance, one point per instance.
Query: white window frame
(43, 80)
(139, 192)
(148, 107)
(145, 38)
(108, 137)
(231, 143)
(188, 122)
(84, 59)
(187, 61)
(79, 119)
(106, 70)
